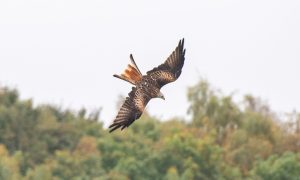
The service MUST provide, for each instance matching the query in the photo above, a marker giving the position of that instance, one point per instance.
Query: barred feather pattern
(170, 70)
(131, 110)
(147, 86)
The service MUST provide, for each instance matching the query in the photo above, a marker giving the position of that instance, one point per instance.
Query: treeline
(224, 140)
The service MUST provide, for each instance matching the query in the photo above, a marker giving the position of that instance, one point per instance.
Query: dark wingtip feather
(114, 127)
(181, 42)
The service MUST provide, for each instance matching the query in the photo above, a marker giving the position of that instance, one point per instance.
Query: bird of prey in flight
(146, 86)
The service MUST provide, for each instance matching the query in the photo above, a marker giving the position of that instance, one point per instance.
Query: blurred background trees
(223, 140)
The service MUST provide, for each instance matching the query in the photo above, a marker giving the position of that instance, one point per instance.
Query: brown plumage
(147, 86)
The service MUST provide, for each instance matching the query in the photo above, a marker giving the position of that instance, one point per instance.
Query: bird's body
(147, 86)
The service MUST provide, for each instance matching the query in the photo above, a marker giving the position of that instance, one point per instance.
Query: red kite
(147, 86)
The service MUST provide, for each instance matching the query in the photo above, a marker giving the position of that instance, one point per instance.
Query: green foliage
(225, 140)
(277, 167)
(9, 165)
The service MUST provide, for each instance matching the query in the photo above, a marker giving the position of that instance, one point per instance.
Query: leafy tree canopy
(224, 140)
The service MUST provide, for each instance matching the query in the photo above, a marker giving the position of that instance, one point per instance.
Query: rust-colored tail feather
(131, 74)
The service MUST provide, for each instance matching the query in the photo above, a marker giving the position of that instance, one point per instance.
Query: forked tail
(132, 74)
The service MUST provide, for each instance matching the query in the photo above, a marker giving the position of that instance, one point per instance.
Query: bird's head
(160, 95)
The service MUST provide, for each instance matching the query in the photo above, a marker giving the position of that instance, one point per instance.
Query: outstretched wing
(131, 110)
(170, 70)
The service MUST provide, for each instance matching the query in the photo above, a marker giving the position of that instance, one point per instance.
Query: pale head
(160, 95)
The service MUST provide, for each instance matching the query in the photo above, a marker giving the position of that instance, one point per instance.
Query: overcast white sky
(65, 51)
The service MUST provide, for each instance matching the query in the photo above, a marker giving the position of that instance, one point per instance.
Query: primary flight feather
(147, 86)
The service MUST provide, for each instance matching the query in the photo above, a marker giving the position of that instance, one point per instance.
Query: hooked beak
(161, 96)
